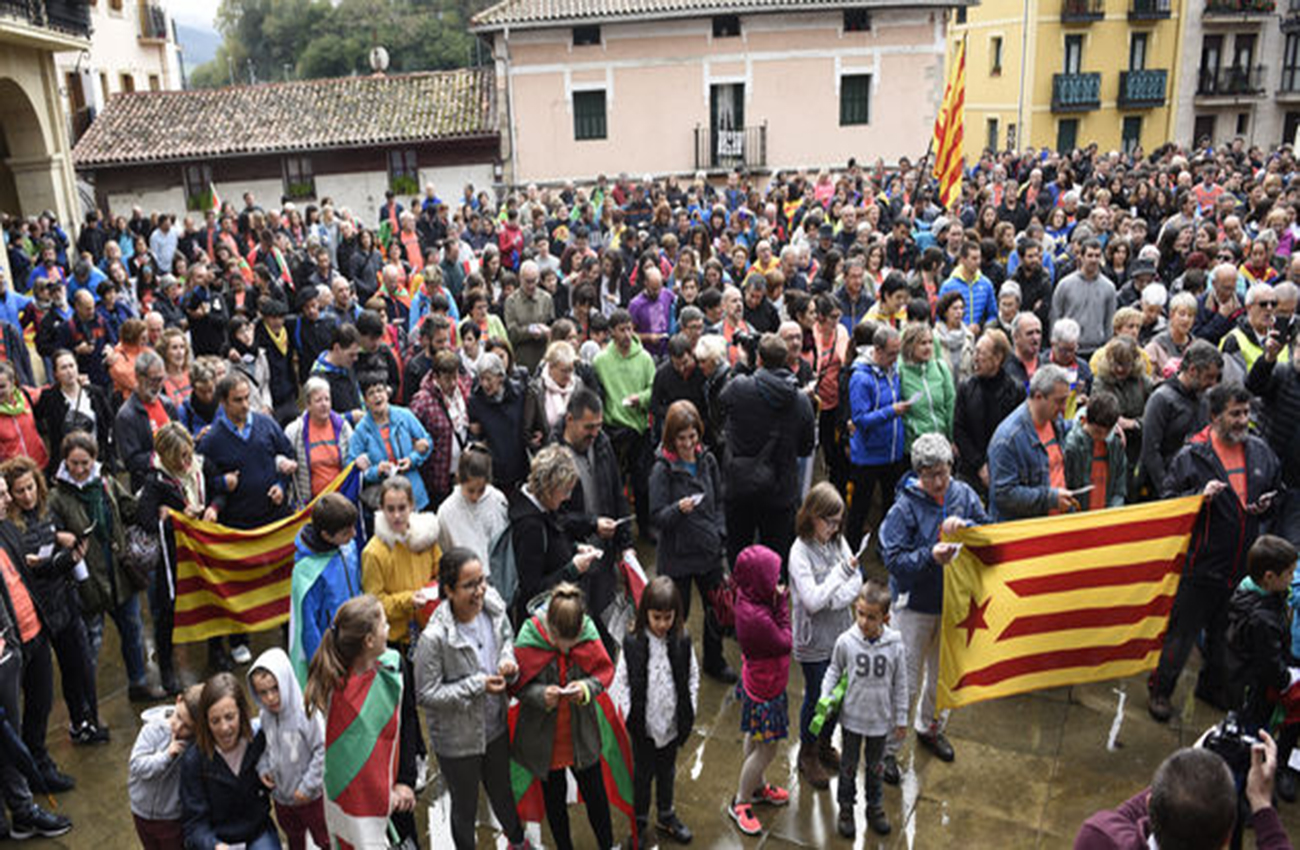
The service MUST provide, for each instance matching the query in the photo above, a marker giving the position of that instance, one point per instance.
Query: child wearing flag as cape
(326, 573)
(370, 729)
(565, 721)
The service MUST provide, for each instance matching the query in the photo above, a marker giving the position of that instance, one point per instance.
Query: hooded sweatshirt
(821, 595)
(762, 623)
(295, 742)
(623, 376)
(153, 776)
(473, 525)
(764, 406)
(875, 700)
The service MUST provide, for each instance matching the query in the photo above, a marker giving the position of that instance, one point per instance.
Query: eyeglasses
(832, 521)
(1267, 305)
(476, 584)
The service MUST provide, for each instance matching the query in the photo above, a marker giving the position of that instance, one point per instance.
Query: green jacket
(1078, 464)
(623, 377)
(106, 503)
(933, 411)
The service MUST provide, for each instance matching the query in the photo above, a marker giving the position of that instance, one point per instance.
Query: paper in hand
(696, 499)
(44, 553)
(866, 539)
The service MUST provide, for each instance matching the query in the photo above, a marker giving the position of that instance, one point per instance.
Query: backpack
(504, 574)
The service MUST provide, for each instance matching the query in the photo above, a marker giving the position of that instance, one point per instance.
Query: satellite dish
(378, 60)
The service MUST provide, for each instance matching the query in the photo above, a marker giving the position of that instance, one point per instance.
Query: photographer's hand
(1263, 767)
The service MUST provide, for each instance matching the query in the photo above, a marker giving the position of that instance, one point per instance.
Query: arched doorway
(27, 172)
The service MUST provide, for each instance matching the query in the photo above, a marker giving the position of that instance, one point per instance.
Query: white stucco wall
(115, 49)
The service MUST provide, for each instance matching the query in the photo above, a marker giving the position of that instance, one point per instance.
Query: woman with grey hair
(320, 439)
(929, 502)
(545, 553)
(497, 409)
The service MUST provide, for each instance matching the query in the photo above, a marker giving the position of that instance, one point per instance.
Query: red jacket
(1128, 828)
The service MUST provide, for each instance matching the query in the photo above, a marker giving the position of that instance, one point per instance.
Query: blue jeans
(813, 673)
(130, 629)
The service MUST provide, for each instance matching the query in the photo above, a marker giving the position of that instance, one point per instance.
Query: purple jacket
(653, 317)
(1128, 827)
(762, 623)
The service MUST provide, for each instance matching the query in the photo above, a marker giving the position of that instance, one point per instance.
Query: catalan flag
(948, 123)
(230, 580)
(1062, 600)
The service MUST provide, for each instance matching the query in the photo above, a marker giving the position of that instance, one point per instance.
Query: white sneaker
(241, 655)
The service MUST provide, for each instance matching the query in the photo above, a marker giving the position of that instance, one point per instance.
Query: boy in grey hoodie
(869, 656)
(293, 766)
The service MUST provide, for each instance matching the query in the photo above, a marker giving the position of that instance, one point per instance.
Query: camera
(748, 342)
(1285, 328)
(1232, 744)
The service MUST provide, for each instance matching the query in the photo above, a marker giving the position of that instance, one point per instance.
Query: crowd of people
(759, 381)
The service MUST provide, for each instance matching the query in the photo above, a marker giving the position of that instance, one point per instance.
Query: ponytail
(340, 646)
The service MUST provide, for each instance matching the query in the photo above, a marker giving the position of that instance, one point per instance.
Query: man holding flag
(1240, 476)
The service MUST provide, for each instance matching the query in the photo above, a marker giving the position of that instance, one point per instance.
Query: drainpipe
(510, 107)
(1024, 64)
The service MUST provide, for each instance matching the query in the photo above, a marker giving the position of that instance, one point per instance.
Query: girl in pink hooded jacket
(762, 611)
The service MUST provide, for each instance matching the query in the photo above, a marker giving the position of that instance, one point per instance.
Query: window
(991, 137)
(1243, 123)
(855, 99)
(154, 83)
(1244, 53)
(584, 36)
(1291, 63)
(115, 5)
(726, 26)
(103, 84)
(1203, 130)
(1011, 137)
(128, 82)
(197, 183)
(298, 179)
(961, 15)
(589, 114)
(995, 56)
(403, 172)
(76, 96)
(1137, 52)
(1073, 54)
(1067, 135)
(857, 20)
(1131, 133)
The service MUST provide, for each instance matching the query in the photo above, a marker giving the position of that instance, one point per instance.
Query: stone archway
(30, 170)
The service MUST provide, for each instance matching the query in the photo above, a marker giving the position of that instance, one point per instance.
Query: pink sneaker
(771, 795)
(743, 815)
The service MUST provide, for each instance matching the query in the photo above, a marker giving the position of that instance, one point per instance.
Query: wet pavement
(1028, 771)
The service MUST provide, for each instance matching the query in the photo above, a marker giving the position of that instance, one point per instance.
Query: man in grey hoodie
(870, 657)
(293, 766)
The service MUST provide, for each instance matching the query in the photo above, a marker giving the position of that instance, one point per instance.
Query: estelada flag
(534, 651)
(1062, 600)
(232, 581)
(362, 733)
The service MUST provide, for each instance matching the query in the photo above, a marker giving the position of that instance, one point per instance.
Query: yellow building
(1100, 71)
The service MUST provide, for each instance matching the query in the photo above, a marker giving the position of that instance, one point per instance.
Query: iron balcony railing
(1082, 10)
(717, 148)
(1142, 89)
(1076, 92)
(65, 16)
(1240, 7)
(1230, 82)
(1148, 10)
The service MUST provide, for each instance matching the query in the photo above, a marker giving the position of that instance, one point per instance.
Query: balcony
(46, 24)
(1237, 10)
(1076, 92)
(153, 23)
(717, 149)
(1231, 83)
(1148, 10)
(1291, 21)
(1142, 89)
(1288, 90)
(1082, 11)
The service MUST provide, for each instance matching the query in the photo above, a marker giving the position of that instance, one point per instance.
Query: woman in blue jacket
(876, 411)
(391, 437)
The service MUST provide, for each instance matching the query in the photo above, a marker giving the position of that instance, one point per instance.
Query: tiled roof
(533, 13)
(141, 127)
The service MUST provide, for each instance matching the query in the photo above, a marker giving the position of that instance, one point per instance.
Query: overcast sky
(194, 12)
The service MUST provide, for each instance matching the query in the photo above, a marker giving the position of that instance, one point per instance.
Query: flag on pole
(1060, 600)
(362, 734)
(948, 123)
(216, 199)
(231, 581)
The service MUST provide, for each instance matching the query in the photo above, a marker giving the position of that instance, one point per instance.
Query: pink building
(672, 86)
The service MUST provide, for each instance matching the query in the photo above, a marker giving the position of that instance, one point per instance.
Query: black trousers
(38, 696)
(491, 769)
(865, 480)
(72, 647)
(828, 437)
(704, 582)
(773, 524)
(633, 451)
(1197, 606)
(657, 766)
(873, 750)
(555, 792)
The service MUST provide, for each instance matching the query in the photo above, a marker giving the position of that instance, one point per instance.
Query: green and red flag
(362, 733)
(533, 652)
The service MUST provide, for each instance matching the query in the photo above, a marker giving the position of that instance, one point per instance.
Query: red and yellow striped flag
(1060, 600)
(948, 126)
(231, 581)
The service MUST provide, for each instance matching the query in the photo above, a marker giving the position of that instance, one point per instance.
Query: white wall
(363, 191)
(115, 49)
(171, 199)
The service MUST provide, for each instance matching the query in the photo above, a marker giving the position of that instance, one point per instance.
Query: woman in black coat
(686, 507)
(70, 404)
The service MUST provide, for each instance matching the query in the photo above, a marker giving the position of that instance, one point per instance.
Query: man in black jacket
(983, 401)
(1278, 387)
(1239, 475)
(1174, 412)
(770, 425)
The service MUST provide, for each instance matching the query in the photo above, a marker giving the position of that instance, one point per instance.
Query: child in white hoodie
(293, 766)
